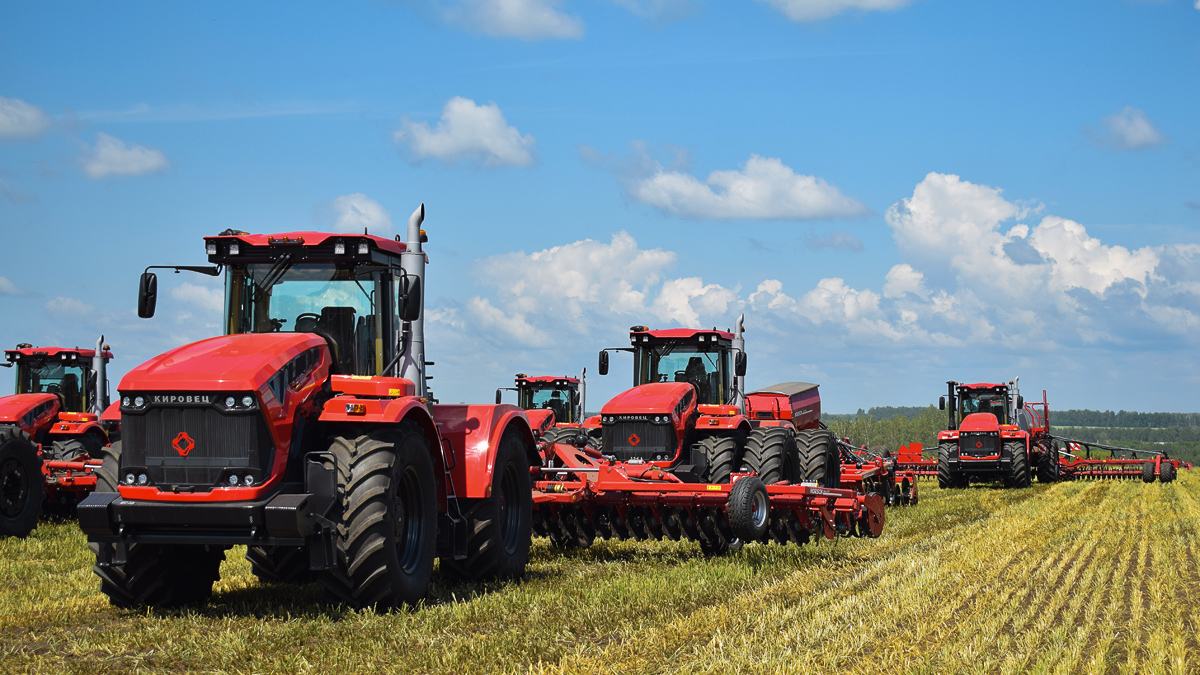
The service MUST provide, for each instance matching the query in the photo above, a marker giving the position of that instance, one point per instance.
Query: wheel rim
(506, 511)
(14, 488)
(409, 521)
(758, 509)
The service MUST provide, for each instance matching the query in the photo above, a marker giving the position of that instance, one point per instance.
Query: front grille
(218, 441)
(627, 440)
(978, 445)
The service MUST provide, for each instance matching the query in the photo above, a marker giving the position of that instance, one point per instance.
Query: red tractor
(50, 430)
(989, 437)
(554, 405)
(306, 433)
(686, 454)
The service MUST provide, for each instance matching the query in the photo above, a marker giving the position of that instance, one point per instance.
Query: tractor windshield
(338, 301)
(704, 365)
(562, 400)
(980, 401)
(68, 380)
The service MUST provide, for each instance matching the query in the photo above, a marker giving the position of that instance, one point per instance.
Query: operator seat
(337, 327)
(558, 405)
(696, 374)
(69, 389)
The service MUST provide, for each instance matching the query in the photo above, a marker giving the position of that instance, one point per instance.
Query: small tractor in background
(554, 405)
(686, 453)
(51, 431)
(306, 432)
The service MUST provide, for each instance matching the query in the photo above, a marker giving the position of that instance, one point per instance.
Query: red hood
(13, 408)
(658, 397)
(980, 422)
(227, 363)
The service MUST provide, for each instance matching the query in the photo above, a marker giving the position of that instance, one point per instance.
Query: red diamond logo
(979, 444)
(183, 444)
(634, 440)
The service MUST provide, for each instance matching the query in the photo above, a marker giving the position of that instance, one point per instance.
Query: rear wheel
(280, 564)
(721, 452)
(22, 484)
(1047, 471)
(1166, 472)
(772, 454)
(948, 478)
(388, 530)
(161, 575)
(820, 461)
(1018, 475)
(499, 527)
(1148, 472)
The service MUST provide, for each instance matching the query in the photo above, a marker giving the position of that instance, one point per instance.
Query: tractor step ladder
(452, 528)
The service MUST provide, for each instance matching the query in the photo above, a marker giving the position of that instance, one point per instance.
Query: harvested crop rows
(1087, 577)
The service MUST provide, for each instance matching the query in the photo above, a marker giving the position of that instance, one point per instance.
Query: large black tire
(820, 460)
(1018, 475)
(773, 455)
(110, 463)
(1166, 472)
(161, 575)
(749, 509)
(1047, 471)
(1148, 472)
(280, 564)
(947, 478)
(500, 527)
(722, 453)
(388, 510)
(22, 484)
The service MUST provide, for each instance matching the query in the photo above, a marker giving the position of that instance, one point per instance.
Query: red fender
(541, 420)
(62, 430)
(474, 433)
(17, 408)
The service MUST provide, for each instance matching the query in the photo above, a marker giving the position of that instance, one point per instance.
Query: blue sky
(894, 192)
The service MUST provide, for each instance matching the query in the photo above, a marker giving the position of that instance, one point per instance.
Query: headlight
(125, 401)
(229, 401)
(130, 479)
(248, 480)
(247, 401)
(234, 249)
(233, 479)
(210, 248)
(139, 402)
(143, 479)
(339, 248)
(363, 249)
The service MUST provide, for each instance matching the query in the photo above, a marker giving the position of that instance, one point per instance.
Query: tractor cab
(69, 374)
(557, 394)
(702, 358)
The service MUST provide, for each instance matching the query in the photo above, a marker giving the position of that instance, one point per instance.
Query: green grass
(1074, 577)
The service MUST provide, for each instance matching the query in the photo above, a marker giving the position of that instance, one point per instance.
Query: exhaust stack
(582, 396)
(100, 399)
(412, 366)
(739, 347)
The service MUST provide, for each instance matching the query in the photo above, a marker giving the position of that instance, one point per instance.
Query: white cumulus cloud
(1128, 129)
(113, 157)
(468, 132)
(355, 213)
(9, 288)
(523, 19)
(205, 298)
(816, 10)
(68, 308)
(19, 119)
(660, 11)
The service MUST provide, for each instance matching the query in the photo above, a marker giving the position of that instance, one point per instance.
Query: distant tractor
(49, 430)
(306, 432)
(554, 405)
(988, 437)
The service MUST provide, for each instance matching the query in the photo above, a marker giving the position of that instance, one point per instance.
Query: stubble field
(1084, 577)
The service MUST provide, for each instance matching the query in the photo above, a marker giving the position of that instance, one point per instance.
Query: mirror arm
(210, 270)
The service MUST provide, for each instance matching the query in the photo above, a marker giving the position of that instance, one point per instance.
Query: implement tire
(22, 483)
(280, 564)
(1018, 476)
(1166, 472)
(161, 575)
(749, 509)
(773, 455)
(500, 527)
(388, 518)
(948, 478)
(1148, 472)
(1047, 471)
(820, 459)
(722, 453)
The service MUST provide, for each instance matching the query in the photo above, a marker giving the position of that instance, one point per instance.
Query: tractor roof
(677, 333)
(313, 245)
(547, 379)
(982, 385)
(54, 353)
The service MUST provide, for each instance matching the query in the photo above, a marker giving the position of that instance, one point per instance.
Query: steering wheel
(681, 376)
(316, 319)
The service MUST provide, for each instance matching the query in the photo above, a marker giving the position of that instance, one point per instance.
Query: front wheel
(388, 530)
(22, 483)
(499, 527)
(1018, 476)
(1047, 471)
(158, 575)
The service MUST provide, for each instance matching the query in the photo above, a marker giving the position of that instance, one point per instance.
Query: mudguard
(474, 433)
(32, 413)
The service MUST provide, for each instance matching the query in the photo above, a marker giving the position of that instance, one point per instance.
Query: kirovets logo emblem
(183, 444)
(634, 440)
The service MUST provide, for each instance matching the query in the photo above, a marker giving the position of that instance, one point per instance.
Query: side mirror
(941, 403)
(147, 295)
(410, 297)
(603, 367)
(1020, 402)
(499, 395)
(739, 364)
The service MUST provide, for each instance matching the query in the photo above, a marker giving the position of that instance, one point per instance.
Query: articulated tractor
(50, 430)
(554, 405)
(687, 454)
(306, 433)
(988, 437)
